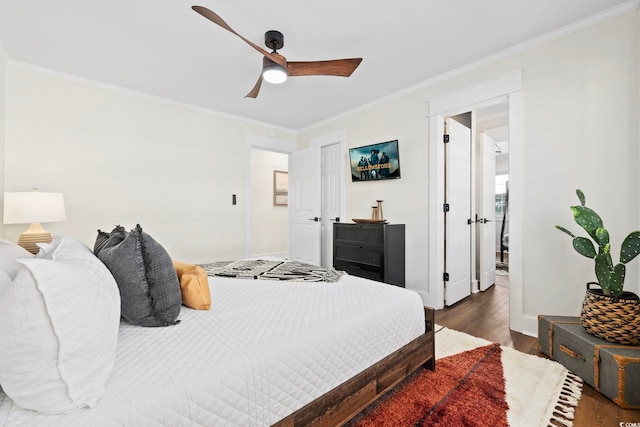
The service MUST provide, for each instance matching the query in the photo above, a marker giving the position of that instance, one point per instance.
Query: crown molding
(143, 95)
(590, 21)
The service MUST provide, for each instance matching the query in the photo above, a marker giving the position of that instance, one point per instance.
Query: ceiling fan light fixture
(274, 73)
(275, 67)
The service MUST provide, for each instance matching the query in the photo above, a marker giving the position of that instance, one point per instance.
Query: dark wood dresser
(372, 251)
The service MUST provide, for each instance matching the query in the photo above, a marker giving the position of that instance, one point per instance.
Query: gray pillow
(102, 240)
(148, 283)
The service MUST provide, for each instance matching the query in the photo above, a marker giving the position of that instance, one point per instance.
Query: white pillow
(46, 249)
(59, 324)
(5, 281)
(9, 253)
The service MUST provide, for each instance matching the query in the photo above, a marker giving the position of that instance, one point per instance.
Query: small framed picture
(280, 188)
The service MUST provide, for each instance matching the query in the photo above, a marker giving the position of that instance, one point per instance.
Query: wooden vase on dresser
(374, 251)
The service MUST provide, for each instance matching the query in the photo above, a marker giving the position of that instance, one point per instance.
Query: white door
(458, 216)
(487, 222)
(304, 206)
(331, 176)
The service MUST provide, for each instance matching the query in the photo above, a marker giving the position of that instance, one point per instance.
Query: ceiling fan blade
(215, 18)
(256, 89)
(336, 67)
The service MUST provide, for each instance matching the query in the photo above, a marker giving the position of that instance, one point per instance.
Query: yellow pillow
(194, 285)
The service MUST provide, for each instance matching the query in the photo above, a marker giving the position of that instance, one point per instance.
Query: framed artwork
(375, 162)
(280, 188)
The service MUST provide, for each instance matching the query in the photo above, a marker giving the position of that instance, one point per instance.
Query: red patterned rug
(478, 384)
(466, 389)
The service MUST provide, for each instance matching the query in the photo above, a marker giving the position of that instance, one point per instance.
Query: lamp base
(35, 234)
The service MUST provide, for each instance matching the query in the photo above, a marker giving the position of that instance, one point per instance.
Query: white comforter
(263, 351)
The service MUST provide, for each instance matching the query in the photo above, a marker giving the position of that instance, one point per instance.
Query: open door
(305, 206)
(457, 211)
(487, 221)
(332, 176)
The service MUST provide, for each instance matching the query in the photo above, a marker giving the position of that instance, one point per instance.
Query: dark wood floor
(486, 315)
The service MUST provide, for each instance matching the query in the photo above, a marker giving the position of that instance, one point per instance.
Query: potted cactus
(610, 312)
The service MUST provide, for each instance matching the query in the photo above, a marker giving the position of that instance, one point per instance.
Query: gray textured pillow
(103, 239)
(148, 283)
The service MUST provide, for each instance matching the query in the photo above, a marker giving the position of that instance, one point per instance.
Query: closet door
(458, 216)
(487, 222)
(304, 206)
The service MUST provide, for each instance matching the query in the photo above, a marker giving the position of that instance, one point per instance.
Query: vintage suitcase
(612, 369)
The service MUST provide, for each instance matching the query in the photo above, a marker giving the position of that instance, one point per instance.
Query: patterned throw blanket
(272, 270)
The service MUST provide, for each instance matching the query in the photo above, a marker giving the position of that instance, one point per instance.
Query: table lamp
(33, 207)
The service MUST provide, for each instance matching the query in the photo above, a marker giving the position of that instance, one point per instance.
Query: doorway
(269, 220)
(258, 148)
(472, 208)
(492, 183)
(491, 92)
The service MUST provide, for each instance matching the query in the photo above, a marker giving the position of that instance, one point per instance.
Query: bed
(267, 352)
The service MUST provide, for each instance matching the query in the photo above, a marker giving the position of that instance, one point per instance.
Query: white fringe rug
(540, 392)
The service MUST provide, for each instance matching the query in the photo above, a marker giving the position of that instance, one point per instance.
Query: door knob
(336, 219)
(316, 219)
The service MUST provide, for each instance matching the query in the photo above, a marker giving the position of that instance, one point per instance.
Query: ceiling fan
(275, 67)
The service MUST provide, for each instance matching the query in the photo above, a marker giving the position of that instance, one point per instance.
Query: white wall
(580, 100)
(502, 164)
(3, 61)
(269, 223)
(124, 158)
(405, 199)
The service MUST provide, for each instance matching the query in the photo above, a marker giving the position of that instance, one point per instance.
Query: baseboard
(530, 324)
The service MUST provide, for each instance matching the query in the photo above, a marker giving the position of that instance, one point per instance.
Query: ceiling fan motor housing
(274, 39)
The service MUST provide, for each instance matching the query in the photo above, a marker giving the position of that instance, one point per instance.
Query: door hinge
(469, 221)
(445, 277)
(445, 138)
(445, 207)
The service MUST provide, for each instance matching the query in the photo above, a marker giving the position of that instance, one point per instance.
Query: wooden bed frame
(339, 405)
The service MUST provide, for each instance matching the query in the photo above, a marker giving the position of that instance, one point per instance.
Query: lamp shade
(274, 73)
(33, 207)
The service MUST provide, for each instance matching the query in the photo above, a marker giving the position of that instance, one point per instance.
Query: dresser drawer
(361, 254)
(371, 234)
(373, 251)
(360, 270)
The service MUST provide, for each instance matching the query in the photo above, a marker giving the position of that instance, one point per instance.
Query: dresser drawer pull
(571, 353)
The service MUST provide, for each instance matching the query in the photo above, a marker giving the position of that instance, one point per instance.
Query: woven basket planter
(614, 319)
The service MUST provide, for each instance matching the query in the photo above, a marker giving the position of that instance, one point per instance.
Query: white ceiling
(164, 48)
